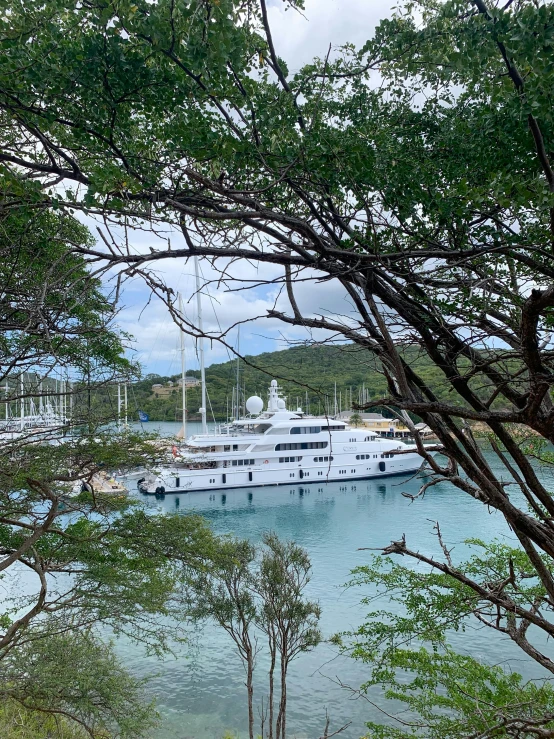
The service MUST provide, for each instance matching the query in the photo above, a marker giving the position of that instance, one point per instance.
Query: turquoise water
(200, 694)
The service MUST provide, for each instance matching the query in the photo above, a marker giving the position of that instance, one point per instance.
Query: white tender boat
(276, 447)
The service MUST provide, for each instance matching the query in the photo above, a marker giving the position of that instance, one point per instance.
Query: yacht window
(305, 429)
(301, 445)
(332, 428)
(289, 459)
(227, 448)
(235, 447)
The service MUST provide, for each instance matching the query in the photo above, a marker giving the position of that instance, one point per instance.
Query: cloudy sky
(298, 38)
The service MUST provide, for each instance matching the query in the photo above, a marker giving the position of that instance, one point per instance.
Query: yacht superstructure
(275, 447)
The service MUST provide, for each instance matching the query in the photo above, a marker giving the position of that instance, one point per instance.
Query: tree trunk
(250, 690)
(272, 650)
(284, 701)
(281, 716)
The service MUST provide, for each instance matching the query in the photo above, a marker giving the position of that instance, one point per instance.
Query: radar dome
(254, 405)
(281, 404)
(273, 383)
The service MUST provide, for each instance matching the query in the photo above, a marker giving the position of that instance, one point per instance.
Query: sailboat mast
(118, 406)
(201, 348)
(183, 373)
(22, 402)
(125, 403)
(238, 375)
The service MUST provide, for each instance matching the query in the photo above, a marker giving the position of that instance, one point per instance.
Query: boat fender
(382, 466)
(162, 490)
(139, 482)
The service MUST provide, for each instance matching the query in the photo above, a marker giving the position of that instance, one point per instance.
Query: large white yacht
(275, 447)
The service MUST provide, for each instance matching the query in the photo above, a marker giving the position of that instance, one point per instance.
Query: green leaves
(76, 676)
(409, 659)
(447, 696)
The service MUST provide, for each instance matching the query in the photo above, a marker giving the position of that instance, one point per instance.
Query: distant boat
(44, 417)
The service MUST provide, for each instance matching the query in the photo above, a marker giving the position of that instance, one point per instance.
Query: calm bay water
(201, 693)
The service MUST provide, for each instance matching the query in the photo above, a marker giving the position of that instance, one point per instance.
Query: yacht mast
(201, 348)
(183, 373)
(125, 403)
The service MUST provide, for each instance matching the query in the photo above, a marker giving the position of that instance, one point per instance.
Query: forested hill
(299, 370)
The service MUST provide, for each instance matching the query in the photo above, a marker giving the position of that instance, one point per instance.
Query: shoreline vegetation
(307, 375)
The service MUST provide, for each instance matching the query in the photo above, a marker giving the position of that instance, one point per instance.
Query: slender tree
(287, 618)
(248, 590)
(224, 594)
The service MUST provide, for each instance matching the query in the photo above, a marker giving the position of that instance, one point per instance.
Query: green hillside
(309, 370)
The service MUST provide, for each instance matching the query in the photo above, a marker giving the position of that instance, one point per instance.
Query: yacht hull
(179, 482)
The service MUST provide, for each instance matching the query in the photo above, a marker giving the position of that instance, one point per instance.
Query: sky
(298, 38)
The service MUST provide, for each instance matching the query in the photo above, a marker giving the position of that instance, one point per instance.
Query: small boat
(101, 483)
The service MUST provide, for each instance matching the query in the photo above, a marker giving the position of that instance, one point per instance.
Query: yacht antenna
(183, 374)
(201, 348)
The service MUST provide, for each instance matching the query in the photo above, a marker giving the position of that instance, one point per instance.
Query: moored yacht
(275, 447)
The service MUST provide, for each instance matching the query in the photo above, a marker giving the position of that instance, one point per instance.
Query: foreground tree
(410, 660)
(428, 198)
(73, 565)
(249, 592)
(288, 619)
